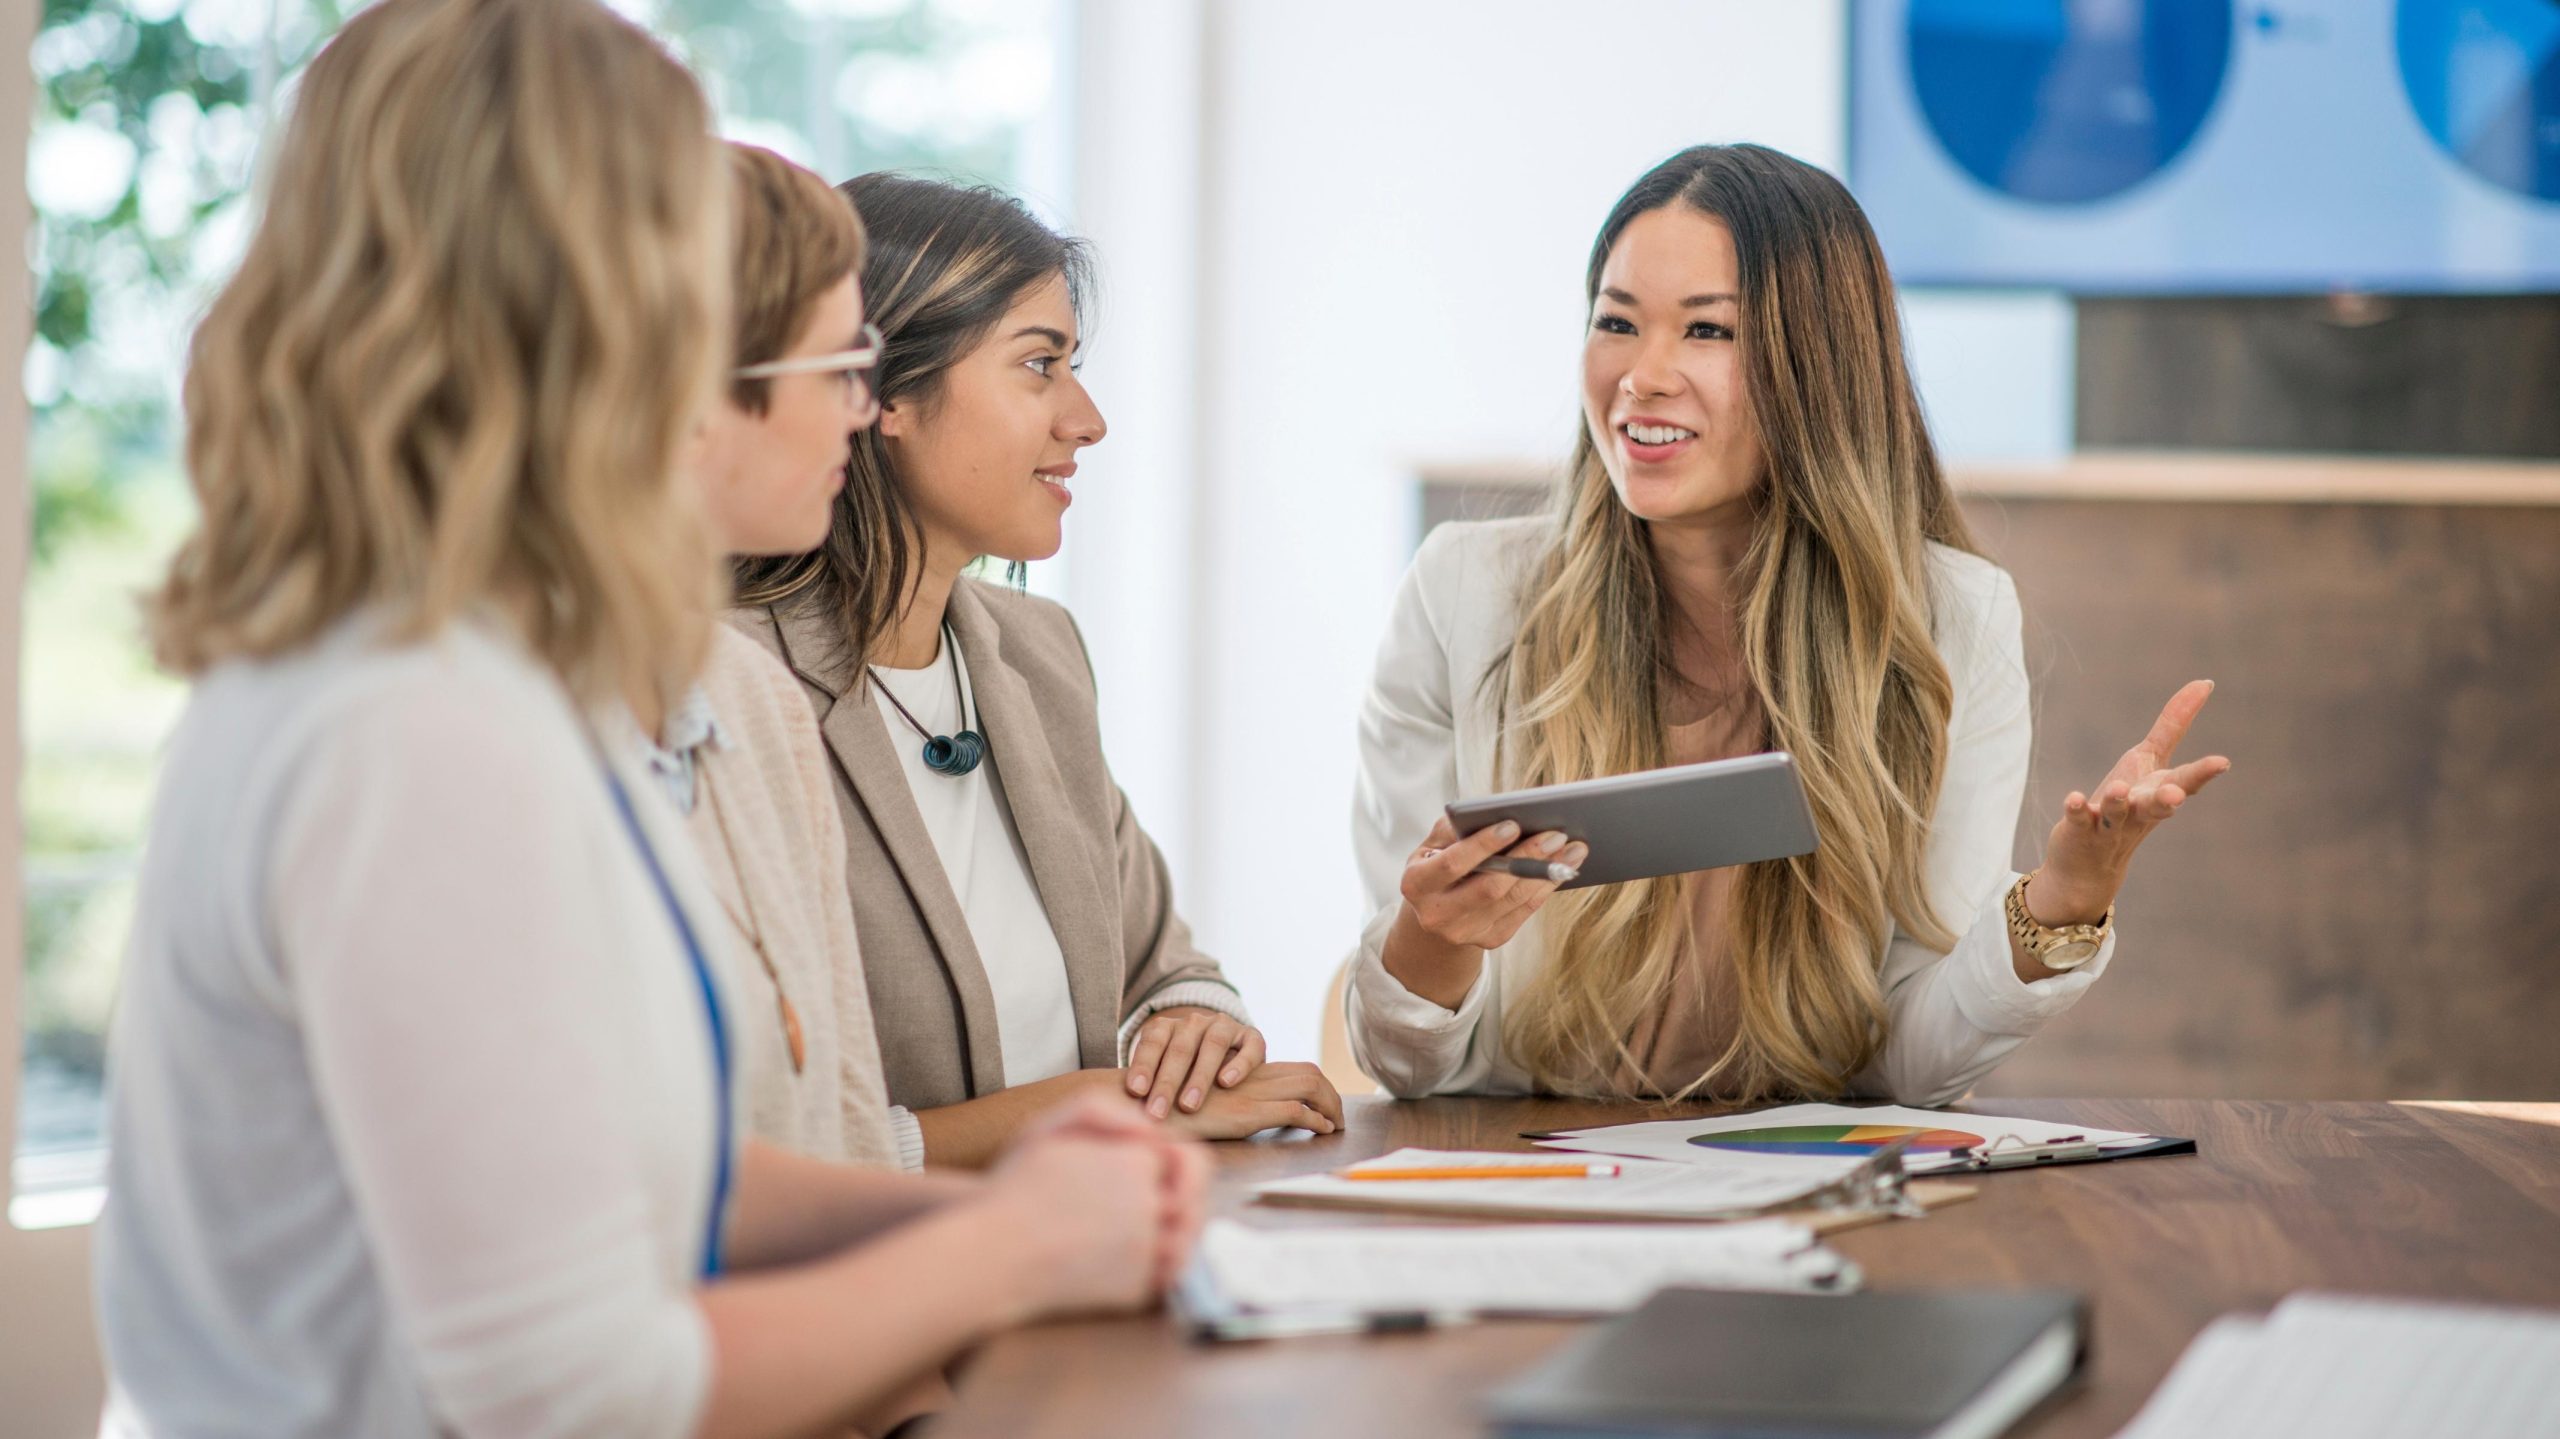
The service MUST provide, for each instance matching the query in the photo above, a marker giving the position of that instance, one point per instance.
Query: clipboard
(1997, 1142)
(1995, 1157)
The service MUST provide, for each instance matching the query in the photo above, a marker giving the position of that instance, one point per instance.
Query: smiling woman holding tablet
(1754, 549)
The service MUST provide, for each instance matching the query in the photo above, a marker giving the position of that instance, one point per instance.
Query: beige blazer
(1100, 878)
(773, 846)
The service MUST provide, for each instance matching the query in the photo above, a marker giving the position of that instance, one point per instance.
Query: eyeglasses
(854, 364)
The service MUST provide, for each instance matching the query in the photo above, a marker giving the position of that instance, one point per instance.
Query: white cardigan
(414, 1113)
(1427, 737)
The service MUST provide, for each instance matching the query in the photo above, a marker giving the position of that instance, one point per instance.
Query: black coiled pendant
(955, 754)
(945, 754)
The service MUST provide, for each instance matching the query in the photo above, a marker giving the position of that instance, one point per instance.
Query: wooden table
(2452, 1201)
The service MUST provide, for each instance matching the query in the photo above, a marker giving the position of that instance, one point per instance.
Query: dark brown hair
(946, 262)
(796, 240)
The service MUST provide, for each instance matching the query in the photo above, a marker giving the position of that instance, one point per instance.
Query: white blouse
(414, 1113)
(1427, 735)
(982, 854)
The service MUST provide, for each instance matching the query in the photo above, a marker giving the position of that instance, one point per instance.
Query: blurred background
(2239, 325)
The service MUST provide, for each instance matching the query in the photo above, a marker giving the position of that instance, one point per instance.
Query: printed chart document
(1735, 1185)
(2347, 1368)
(1940, 1142)
(1507, 1269)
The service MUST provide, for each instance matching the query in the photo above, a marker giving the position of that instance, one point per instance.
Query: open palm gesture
(2092, 846)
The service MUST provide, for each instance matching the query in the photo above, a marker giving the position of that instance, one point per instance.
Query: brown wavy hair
(1833, 610)
(485, 300)
(795, 240)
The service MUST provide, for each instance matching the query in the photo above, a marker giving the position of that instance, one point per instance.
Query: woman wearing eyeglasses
(738, 756)
(1018, 931)
(423, 1079)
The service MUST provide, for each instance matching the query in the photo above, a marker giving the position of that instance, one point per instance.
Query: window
(149, 117)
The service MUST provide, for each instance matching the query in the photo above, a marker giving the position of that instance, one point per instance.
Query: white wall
(1402, 202)
(1391, 207)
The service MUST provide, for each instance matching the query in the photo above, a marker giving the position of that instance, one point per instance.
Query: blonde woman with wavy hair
(425, 1104)
(1753, 548)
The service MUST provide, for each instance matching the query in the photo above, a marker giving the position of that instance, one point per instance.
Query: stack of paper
(1940, 1142)
(1509, 1269)
(2344, 1368)
(1644, 1189)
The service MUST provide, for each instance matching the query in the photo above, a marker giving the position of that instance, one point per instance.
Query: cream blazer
(766, 826)
(1101, 880)
(1427, 737)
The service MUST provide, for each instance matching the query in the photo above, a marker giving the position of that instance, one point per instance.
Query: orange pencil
(1489, 1171)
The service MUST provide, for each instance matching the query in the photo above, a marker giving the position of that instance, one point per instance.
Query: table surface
(2425, 1200)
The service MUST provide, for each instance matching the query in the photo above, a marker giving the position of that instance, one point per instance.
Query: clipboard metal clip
(1875, 1186)
(2009, 1151)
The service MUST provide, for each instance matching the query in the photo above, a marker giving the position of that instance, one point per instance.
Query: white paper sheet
(1739, 1184)
(1670, 1139)
(1508, 1268)
(2347, 1368)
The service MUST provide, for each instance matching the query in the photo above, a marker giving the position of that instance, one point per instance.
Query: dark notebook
(1720, 1364)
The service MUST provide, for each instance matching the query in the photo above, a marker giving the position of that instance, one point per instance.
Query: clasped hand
(1205, 1073)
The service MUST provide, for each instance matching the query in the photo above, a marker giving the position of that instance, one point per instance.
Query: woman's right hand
(1109, 1201)
(1447, 900)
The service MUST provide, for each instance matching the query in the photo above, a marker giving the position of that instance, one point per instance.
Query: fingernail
(1191, 1099)
(1138, 1085)
(1507, 829)
(1550, 843)
(1576, 853)
(1232, 1076)
(1156, 1106)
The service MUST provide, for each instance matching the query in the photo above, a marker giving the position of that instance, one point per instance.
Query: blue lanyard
(720, 1177)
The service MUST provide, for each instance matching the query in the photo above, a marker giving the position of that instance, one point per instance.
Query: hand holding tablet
(1660, 821)
(1477, 879)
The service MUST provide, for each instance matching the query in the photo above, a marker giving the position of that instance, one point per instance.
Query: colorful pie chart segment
(1836, 1140)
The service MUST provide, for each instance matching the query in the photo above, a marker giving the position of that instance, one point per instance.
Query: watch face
(2071, 956)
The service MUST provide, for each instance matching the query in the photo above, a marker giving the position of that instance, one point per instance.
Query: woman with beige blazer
(1018, 932)
(738, 756)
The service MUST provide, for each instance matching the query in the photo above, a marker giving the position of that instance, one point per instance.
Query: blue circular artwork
(2064, 102)
(2484, 79)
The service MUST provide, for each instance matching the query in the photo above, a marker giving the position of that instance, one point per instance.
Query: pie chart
(2483, 77)
(1836, 1140)
(2065, 102)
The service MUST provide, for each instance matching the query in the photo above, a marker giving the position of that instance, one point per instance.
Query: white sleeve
(1408, 772)
(1953, 1017)
(432, 901)
(1181, 994)
(907, 1132)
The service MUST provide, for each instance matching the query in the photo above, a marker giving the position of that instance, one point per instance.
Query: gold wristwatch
(2069, 947)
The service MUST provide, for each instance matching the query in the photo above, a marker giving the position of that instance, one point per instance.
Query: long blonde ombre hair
(1833, 606)
(485, 301)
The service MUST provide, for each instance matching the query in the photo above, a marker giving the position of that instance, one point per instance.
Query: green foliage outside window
(148, 120)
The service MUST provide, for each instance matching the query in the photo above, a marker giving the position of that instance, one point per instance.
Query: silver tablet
(1663, 821)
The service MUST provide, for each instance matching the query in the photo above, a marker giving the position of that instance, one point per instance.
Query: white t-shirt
(974, 837)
